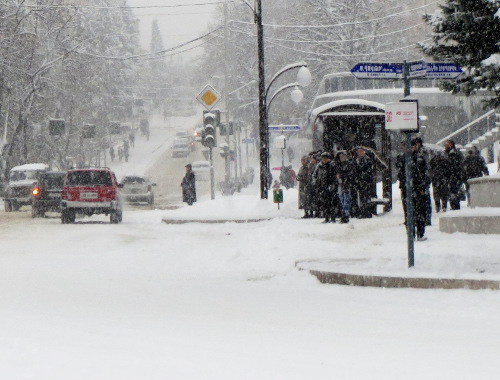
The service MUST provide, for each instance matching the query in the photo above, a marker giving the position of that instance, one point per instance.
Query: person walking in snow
(474, 167)
(455, 175)
(188, 185)
(112, 153)
(120, 154)
(438, 169)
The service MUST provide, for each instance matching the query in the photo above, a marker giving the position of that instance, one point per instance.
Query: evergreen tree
(468, 32)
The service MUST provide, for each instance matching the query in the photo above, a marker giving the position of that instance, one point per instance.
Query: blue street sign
(284, 128)
(418, 69)
(372, 70)
(443, 70)
(248, 141)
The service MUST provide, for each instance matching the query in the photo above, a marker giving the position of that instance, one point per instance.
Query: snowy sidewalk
(375, 249)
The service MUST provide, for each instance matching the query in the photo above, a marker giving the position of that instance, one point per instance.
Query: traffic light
(56, 127)
(208, 135)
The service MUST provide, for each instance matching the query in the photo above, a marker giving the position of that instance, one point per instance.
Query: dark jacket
(345, 175)
(455, 168)
(474, 166)
(189, 188)
(325, 178)
(439, 171)
(364, 172)
(419, 174)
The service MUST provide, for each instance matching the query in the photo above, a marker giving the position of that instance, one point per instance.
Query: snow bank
(243, 206)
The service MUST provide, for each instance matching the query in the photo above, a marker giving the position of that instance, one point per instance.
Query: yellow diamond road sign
(209, 97)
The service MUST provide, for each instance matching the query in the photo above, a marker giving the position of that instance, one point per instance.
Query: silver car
(137, 188)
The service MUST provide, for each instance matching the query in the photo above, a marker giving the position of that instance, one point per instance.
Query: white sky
(177, 24)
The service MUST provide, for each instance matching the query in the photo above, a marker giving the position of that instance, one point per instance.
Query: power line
(339, 24)
(330, 41)
(349, 55)
(152, 55)
(117, 6)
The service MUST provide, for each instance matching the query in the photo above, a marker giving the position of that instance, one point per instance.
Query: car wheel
(15, 206)
(64, 217)
(7, 206)
(67, 216)
(115, 217)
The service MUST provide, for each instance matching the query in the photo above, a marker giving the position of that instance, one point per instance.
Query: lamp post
(303, 76)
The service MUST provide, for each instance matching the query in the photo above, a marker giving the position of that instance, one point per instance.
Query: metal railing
(472, 130)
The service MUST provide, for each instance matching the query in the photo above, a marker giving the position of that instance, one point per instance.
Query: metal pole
(410, 228)
(212, 191)
(263, 132)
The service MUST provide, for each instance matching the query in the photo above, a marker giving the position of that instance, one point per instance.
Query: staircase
(481, 133)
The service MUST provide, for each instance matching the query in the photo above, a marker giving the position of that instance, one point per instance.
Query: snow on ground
(147, 300)
(369, 246)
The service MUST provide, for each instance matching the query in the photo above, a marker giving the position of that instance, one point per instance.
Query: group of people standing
(447, 171)
(336, 185)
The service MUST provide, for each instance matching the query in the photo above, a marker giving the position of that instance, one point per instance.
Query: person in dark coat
(420, 183)
(345, 175)
(401, 167)
(304, 179)
(438, 171)
(474, 167)
(312, 189)
(364, 183)
(455, 175)
(325, 182)
(188, 185)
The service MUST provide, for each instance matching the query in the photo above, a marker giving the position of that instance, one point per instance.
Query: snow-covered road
(143, 300)
(146, 300)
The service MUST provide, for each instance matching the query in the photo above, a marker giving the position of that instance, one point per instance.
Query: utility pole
(263, 133)
(410, 228)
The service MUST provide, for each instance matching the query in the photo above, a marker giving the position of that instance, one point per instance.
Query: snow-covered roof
(344, 102)
(31, 167)
(380, 91)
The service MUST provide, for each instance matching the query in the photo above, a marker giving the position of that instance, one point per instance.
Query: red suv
(91, 191)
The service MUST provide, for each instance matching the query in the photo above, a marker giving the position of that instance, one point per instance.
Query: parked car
(137, 188)
(89, 192)
(189, 140)
(46, 194)
(21, 180)
(201, 170)
(180, 149)
(197, 134)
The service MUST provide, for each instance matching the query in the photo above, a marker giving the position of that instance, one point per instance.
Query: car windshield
(89, 178)
(21, 175)
(133, 180)
(52, 181)
(180, 146)
(201, 165)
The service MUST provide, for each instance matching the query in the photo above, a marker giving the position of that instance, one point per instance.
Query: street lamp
(304, 77)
